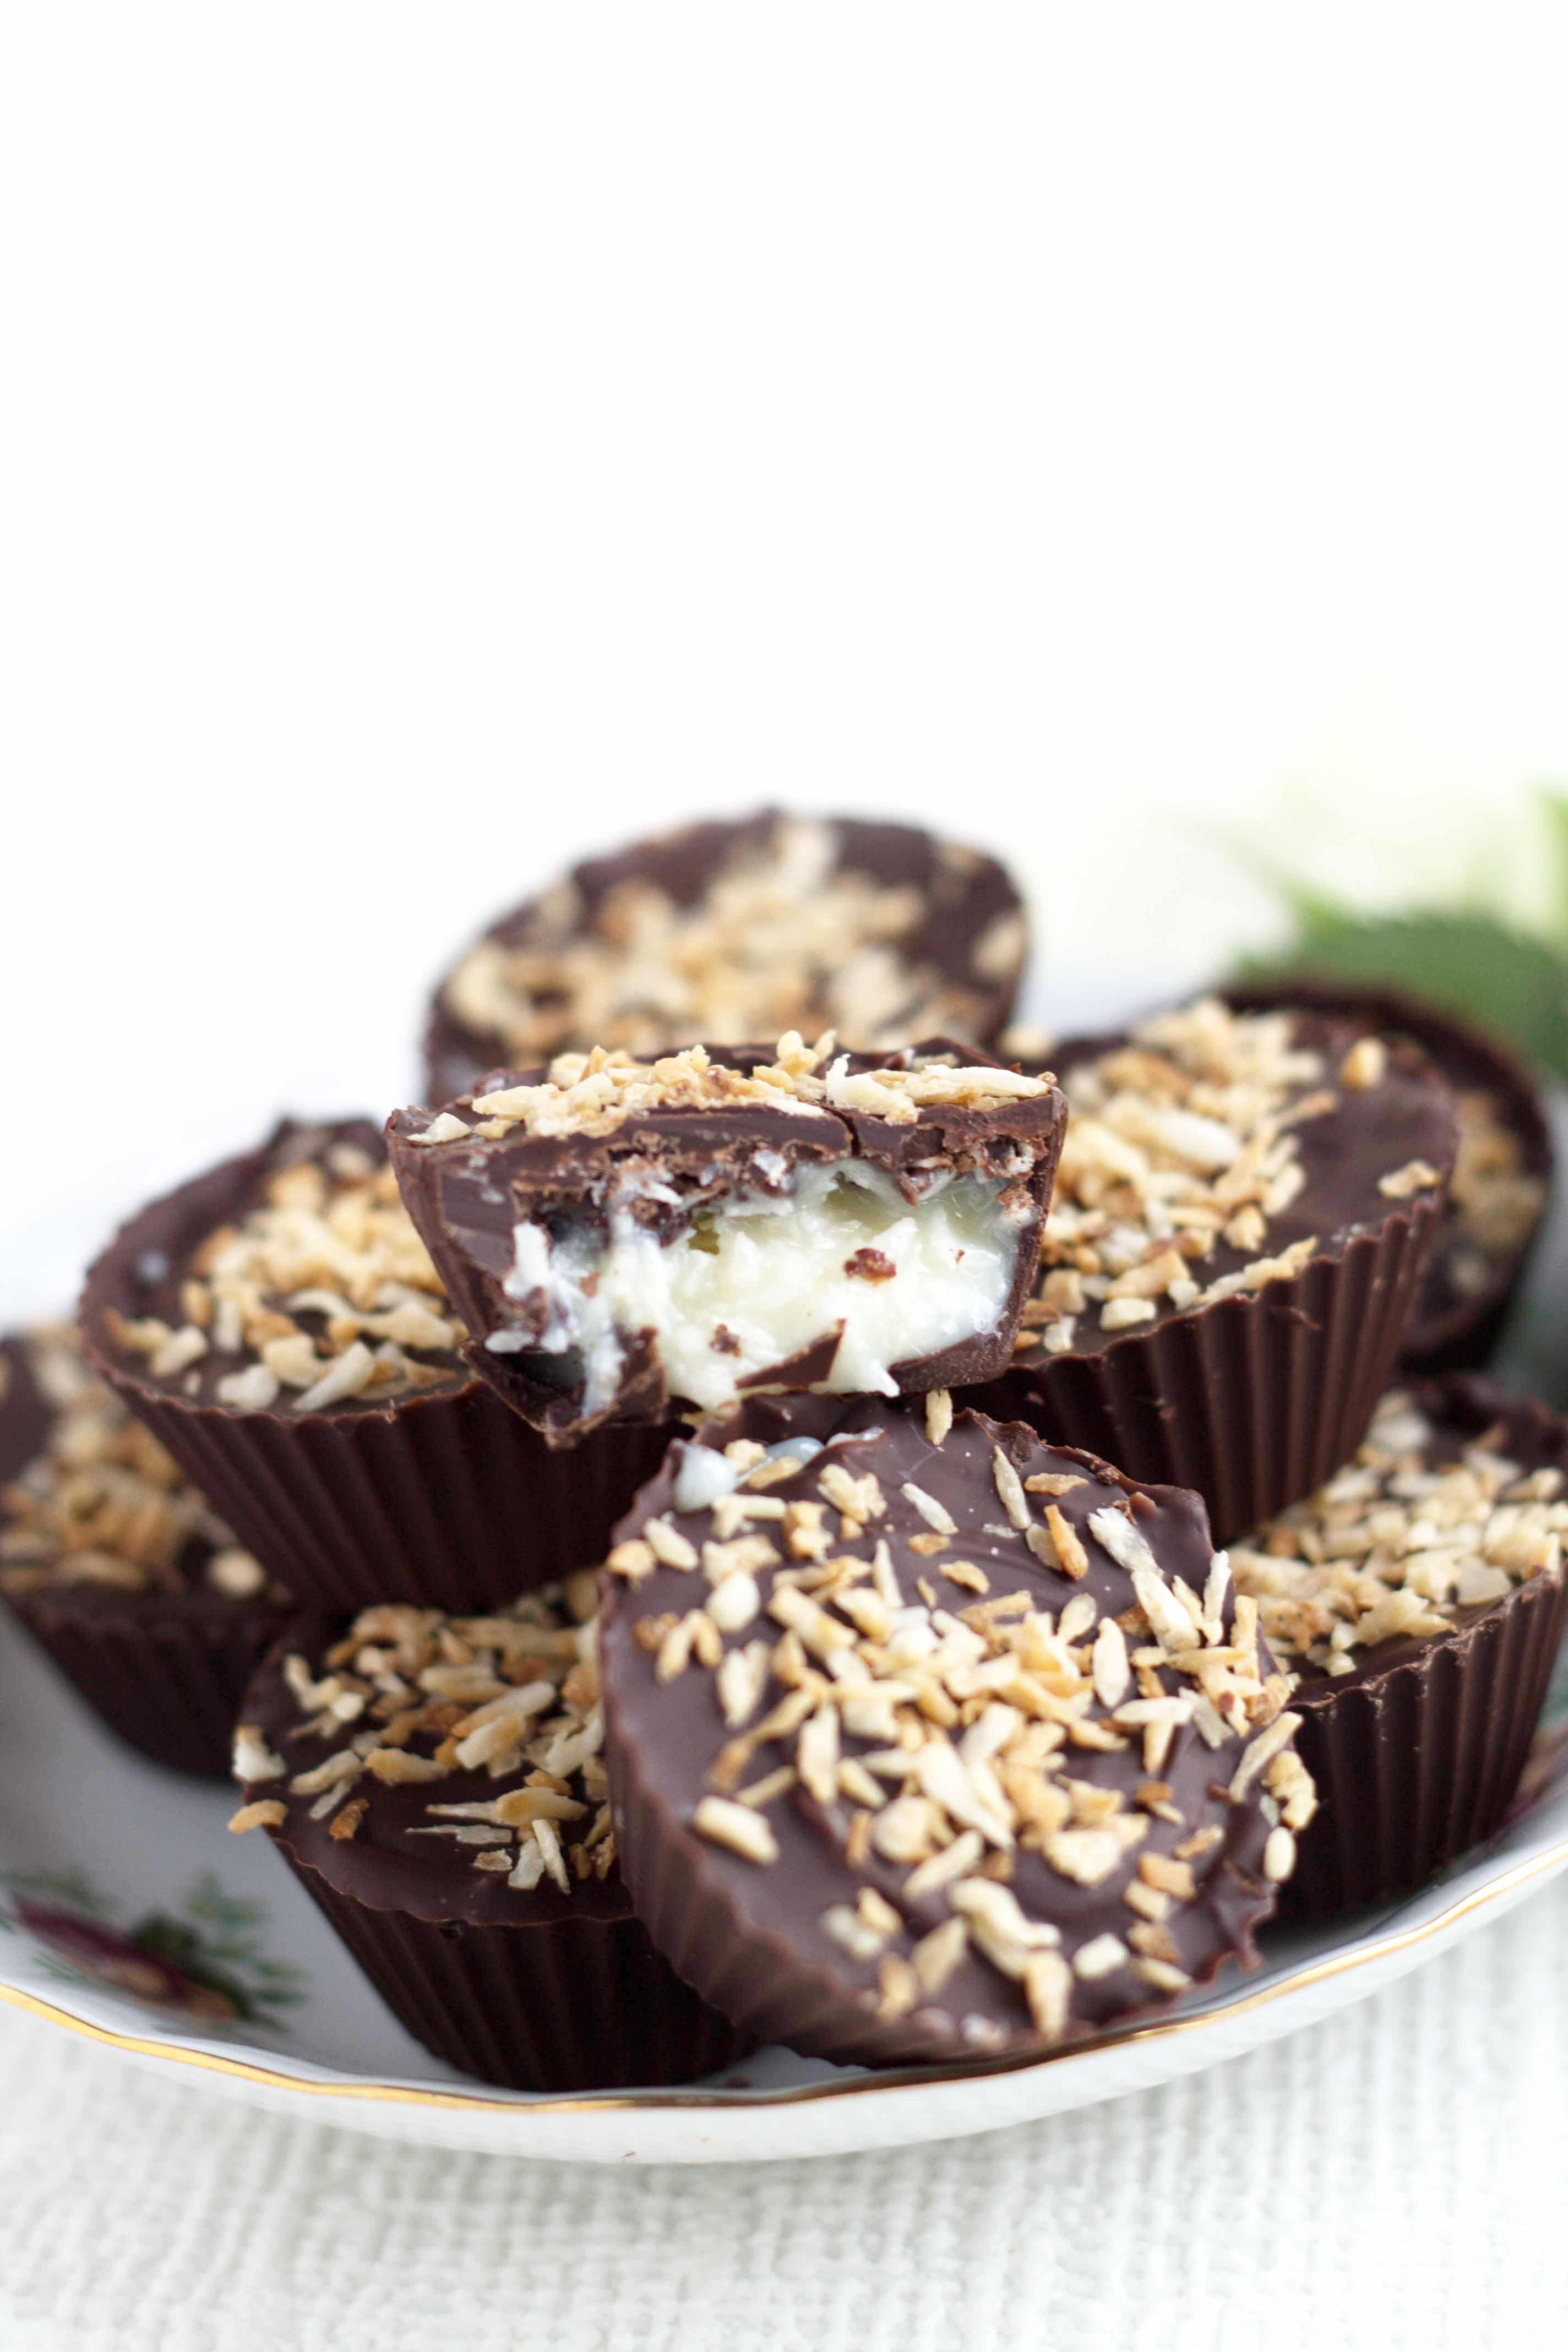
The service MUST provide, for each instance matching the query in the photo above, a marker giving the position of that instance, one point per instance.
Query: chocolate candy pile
(759, 1512)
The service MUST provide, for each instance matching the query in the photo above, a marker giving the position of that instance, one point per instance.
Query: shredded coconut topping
(323, 1290)
(1184, 1139)
(415, 1695)
(939, 1741)
(1496, 1204)
(103, 1504)
(1399, 1542)
(783, 937)
(594, 1093)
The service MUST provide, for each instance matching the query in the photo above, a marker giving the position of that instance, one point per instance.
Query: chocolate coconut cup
(1045, 1788)
(1478, 1262)
(1254, 1398)
(882, 933)
(1419, 1750)
(537, 1990)
(165, 1666)
(440, 1494)
(542, 1199)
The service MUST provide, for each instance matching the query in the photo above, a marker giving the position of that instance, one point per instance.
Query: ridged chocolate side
(167, 1677)
(450, 1501)
(1419, 1760)
(564, 2005)
(1254, 1401)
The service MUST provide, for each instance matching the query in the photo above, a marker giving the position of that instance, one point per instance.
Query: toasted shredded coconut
(103, 1504)
(743, 1830)
(1416, 1176)
(1183, 1139)
(324, 1289)
(1399, 1543)
(1365, 1065)
(937, 1745)
(264, 1813)
(416, 1695)
(785, 936)
(939, 1414)
(1496, 1203)
(594, 1094)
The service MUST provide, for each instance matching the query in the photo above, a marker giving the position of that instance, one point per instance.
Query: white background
(438, 441)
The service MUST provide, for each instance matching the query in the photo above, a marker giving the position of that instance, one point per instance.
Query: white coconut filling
(758, 1278)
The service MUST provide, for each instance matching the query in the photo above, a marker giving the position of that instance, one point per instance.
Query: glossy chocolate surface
(761, 1935)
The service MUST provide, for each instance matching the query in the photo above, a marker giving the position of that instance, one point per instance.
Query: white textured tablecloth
(1395, 2178)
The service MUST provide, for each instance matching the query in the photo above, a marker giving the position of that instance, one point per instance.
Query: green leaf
(1503, 979)
(1554, 811)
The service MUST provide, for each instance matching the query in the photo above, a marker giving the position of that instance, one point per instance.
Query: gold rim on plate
(1334, 1964)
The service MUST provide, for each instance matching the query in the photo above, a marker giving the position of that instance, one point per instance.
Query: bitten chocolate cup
(1245, 1209)
(425, 1488)
(928, 1742)
(535, 1973)
(622, 1235)
(1502, 1176)
(120, 1573)
(1441, 1598)
(739, 930)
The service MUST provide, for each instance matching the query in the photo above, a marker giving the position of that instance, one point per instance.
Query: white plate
(130, 1917)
